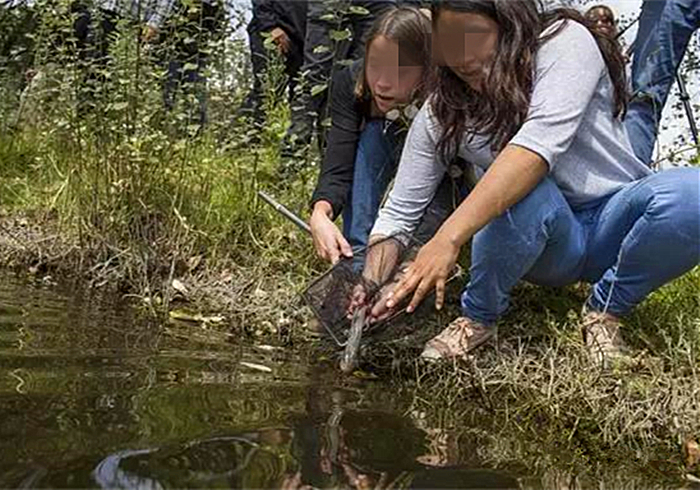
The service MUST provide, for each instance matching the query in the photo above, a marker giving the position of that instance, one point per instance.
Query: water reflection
(90, 396)
(363, 451)
(242, 462)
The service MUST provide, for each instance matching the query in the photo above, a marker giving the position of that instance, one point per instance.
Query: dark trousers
(321, 54)
(188, 33)
(260, 58)
(93, 31)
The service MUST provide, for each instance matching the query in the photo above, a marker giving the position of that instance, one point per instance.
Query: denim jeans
(665, 29)
(627, 245)
(375, 166)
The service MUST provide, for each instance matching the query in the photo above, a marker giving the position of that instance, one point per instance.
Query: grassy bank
(129, 196)
(98, 179)
(537, 399)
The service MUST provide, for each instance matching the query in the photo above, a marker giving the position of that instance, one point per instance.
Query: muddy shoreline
(536, 382)
(241, 299)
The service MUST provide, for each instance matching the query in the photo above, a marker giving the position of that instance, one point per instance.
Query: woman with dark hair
(533, 101)
(603, 19)
(363, 142)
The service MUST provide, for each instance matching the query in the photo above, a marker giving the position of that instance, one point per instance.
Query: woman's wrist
(324, 208)
(452, 237)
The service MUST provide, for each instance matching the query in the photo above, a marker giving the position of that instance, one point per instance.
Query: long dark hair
(410, 29)
(590, 15)
(502, 107)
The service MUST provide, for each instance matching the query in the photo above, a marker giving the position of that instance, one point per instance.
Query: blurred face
(467, 43)
(603, 20)
(390, 80)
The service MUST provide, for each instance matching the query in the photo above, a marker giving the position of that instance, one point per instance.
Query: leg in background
(664, 33)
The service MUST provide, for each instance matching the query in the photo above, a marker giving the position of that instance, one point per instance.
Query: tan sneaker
(460, 338)
(601, 334)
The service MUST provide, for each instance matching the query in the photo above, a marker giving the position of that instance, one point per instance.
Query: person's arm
(417, 179)
(569, 68)
(337, 168)
(512, 176)
(338, 165)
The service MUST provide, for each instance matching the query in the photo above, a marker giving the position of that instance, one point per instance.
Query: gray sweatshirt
(570, 124)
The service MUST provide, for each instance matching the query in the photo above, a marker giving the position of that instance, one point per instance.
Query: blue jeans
(626, 245)
(375, 165)
(665, 29)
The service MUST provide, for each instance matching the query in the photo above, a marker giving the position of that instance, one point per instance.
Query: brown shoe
(601, 333)
(460, 338)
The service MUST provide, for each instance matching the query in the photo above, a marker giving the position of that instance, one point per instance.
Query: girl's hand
(432, 267)
(358, 298)
(329, 242)
(380, 310)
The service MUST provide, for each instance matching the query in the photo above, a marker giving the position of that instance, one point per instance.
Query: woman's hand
(380, 310)
(329, 242)
(431, 269)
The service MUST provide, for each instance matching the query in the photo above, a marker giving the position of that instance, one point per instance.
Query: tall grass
(131, 193)
(138, 188)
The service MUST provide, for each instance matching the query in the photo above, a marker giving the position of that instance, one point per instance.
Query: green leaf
(357, 10)
(340, 35)
(328, 17)
(317, 89)
(120, 106)
(269, 44)
(189, 67)
(321, 49)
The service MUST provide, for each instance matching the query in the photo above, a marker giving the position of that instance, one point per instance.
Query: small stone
(179, 287)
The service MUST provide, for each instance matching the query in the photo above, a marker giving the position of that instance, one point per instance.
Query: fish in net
(342, 298)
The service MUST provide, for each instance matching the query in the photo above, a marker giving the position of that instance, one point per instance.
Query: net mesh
(363, 280)
(372, 273)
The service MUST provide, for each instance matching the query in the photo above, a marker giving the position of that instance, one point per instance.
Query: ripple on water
(91, 396)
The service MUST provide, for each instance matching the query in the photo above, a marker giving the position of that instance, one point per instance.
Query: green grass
(137, 189)
(537, 400)
(138, 197)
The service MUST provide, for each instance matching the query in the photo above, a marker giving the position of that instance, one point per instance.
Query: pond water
(91, 396)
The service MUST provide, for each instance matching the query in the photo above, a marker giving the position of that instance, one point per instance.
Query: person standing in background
(603, 19)
(284, 22)
(322, 49)
(184, 31)
(665, 30)
(94, 30)
(96, 23)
